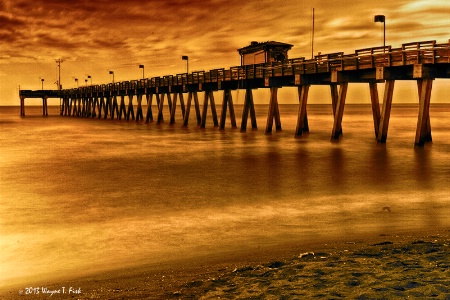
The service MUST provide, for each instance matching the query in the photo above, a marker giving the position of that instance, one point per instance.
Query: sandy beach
(396, 265)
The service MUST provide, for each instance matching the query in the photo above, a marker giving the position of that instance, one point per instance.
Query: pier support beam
(130, 110)
(77, 107)
(274, 112)
(44, 106)
(423, 131)
(122, 108)
(139, 112)
(22, 106)
(70, 105)
(248, 107)
(209, 97)
(334, 97)
(375, 107)
(73, 107)
(101, 105)
(386, 112)
(114, 108)
(188, 108)
(80, 107)
(89, 104)
(149, 115)
(227, 101)
(174, 107)
(302, 120)
(61, 106)
(65, 106)
(108, 106)
(339, 112)
(84, 101)
(95, 105)
(161, 105)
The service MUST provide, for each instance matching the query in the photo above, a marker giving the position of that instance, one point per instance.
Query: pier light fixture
(90, 77)
(382, 19)
(112, 73)
(76, 80)
(142, 67)
(42, 80)
(186, 58)
(86, 82)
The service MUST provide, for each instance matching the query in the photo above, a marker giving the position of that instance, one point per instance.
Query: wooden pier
(419, 61)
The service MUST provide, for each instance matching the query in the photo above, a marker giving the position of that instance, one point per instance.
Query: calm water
(78, 195)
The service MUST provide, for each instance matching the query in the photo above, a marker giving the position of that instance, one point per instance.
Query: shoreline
(402, 264)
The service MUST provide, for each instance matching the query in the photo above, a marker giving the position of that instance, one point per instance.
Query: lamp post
(142, 67)
(90, 77)
(42, 83)
(59, 61)
(76, 80)
(186, 58)
(112, 73)
(85, 82)
(382, 19)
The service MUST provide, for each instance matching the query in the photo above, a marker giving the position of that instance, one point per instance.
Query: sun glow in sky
(93, 37)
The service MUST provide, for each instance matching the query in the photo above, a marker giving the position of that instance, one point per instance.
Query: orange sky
(95, 36)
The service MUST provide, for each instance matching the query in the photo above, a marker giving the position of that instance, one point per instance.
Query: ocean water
(83, 195)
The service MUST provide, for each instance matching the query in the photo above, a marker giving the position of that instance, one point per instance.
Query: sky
(93, 37)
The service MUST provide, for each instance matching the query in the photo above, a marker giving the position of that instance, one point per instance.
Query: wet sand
(395, 265)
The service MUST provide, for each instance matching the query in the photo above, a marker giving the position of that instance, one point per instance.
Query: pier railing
(427, 52)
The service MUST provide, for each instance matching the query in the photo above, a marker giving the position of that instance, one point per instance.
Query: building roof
(256, 46)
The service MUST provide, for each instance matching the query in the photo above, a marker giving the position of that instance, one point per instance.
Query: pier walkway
(420, 61)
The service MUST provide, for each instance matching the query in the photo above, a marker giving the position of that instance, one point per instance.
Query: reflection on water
(80, 195)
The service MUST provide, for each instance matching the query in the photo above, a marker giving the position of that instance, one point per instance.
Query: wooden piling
(227, 101)
(44, 106)
(160, 102)
(84, 107)
(334, 97)
(22, 106)
(61, 107)
(174, 107)
(337, 124)
(139, 112)
(249, 107)
(122, 108)
(183, 108)
(44, 101)
(386, 112)
(169, 101)
(149, 115)
(89, 102)
(302, 119)
(375, 107)
(192, 95)
(80, 107)
(92, 110)
(115, 107)
(108, 105)
(274, 112)
(72, 106)
(209, 97)
(423, 131)
(69, 109)
(75, 107)
(65, 106)
(101, 105)
(130, 110)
